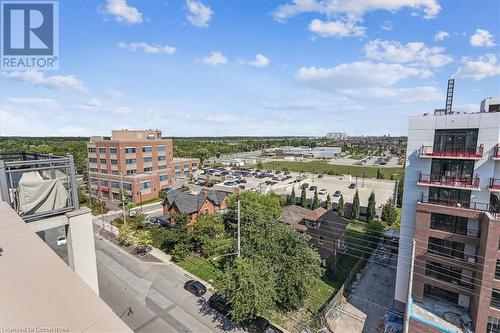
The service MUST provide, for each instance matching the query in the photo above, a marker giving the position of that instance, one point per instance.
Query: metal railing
(494, 184)
(496, 151)
(480, 206)
(452, 181)
(38, 185)
(465, 152)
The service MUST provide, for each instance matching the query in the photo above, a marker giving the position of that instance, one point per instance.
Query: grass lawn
(202, 268)
(322, 167)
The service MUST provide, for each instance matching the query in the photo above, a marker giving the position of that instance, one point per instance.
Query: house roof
(293, 215)
(191, 203)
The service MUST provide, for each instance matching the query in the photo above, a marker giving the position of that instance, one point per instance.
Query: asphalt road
(155, 294)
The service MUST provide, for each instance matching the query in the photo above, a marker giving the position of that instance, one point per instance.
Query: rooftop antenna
(449, 96)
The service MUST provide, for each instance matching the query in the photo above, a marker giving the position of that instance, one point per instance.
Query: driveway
(368, 304)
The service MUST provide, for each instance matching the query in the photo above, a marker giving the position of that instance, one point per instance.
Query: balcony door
(452, 168)
(456, 139)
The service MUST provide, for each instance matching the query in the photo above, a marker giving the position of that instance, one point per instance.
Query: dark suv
(195, 287)
(219, 303)
(262, 325)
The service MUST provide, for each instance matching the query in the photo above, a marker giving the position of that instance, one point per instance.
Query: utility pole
(410, 286)
(123, 199)
(239, 227)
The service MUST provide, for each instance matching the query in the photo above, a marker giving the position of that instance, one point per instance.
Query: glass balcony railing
(468, 182)
(38, 185)
(452, 152)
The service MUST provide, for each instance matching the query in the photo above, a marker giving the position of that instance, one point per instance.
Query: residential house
(324, 228)
(207, 202)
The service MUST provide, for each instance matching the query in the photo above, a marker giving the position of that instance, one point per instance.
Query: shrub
(181, 251)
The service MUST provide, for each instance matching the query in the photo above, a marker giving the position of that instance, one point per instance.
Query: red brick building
(139, 163)
(205, 202)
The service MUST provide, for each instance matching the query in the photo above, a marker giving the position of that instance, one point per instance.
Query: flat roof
(39, 291)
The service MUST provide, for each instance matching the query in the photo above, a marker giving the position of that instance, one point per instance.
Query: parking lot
(347, 185)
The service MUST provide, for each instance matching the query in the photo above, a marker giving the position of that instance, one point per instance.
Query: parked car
(323, 191)
(61, 240)
(337, 193)
(312, 188)
(219, 303)
(159, 221)
(262, 325)
(242, 187)
(243, 181)
(195, 287)
(352, 186)
(320, 176)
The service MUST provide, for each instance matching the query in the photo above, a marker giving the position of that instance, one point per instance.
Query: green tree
(178, 233)
(355, 206)
(380, 175)
(389, 213)
(293, 197)
(399, 202)
(181, 251)
(370, 212)
(144, 240)
(250, 287)
(315, 203)
(125, 234)
(303, 198)
(208, 235)
(341, 206)
(328, 199)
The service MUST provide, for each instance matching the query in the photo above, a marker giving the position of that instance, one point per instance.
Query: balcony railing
(38, 185)
(479, 206)
(494, 184)
(468, 182)
(496, 152)
(452, 152)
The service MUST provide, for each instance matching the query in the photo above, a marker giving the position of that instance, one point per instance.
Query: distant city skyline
(255, 68)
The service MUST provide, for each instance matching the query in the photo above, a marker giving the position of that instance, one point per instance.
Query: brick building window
(147, 149)
(114, 162)
(130, 161)
(321, 240)
(91, 150)
(497, 270)
(162, 167)
(162, 148)
(102, 150)
(102, 160)
(495, 299)
(103, 182)
(92, 160)
(131, 172)
(148, 169)
(148, 159)
(127, 186)
(163, 178)
(112, 150)
(162, 158)
(145, 185)
(130, 150)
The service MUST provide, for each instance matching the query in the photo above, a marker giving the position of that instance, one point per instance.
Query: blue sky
(263, 67)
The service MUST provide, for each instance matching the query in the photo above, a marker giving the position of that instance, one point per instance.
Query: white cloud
(60, 82)
(312, 104)
(122, 12)
(482, 38)
(199, 14)
(441, 35)
(94, 102)
(215, 58)
(147, 48)
(114, 94)
(353, 9)
(396, 95)
(46, 103)
(337, 29)
(478, 68)
(387, 26)
(412, 53)
(259, 61)
(356, 75)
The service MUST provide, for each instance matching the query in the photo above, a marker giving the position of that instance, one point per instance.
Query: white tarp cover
(40, 195)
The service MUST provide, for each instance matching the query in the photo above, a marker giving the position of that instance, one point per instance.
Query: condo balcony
(37, 186)
(496, 153)
(494, 185)
(475, 153)
(458, 182)
(448, 202)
